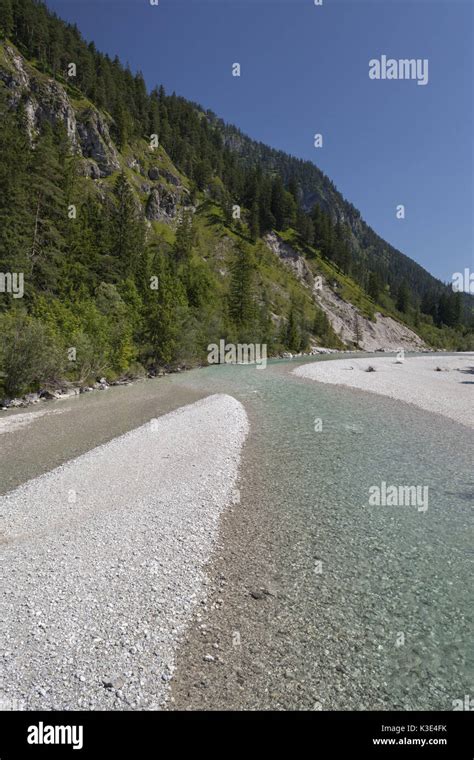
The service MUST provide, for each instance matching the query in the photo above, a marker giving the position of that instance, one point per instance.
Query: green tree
(164, 317)
(403, 297)
(127, 229)
(278, 203)
(6, 18)
(293, 335)
(47, 210)
(374, 286)
(241, 292)
(254, 224)
(202, 174)
(184, 238)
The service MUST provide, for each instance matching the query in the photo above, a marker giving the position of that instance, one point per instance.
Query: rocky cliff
(348, 322)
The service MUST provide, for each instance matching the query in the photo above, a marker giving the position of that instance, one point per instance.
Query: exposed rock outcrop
(163, 204)
(155, 173)
(351, 326)
(46, 100)
(96, 143)
(290, 257)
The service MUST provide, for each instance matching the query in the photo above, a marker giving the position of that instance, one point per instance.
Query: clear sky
(305, 70)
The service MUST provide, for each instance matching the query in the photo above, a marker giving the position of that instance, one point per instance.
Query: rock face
(44, 101)
(346, 320)
(162, 204)
(290, 257)
(171, 178)
(96, 143)
(90, 169)
(351, 326)
(48, 101)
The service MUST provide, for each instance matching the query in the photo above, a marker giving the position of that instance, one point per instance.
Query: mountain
(369, 251)
(137, 228)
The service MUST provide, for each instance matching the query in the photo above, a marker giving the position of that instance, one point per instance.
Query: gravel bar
(103, 561)
(441, 384)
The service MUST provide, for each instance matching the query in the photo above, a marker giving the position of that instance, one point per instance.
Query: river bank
(64, 390)
(103, 559)
(440, 384)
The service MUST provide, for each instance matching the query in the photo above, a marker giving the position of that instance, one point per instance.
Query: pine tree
(15, 215)
(429, 304)
(165, 313)
(47, 210)
(127, 228)
(202, 174)
(293, 337)
(403, 297)
(241, 294)
(6, 19)
(254, 224)
(293, 189)
(321, 326)
(374, 286)
(184, 238)
(278, 203)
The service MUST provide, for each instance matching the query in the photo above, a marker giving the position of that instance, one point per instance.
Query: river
(316, 600)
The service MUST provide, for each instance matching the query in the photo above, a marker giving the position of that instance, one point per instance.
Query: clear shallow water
(386, 620)
(387, 623)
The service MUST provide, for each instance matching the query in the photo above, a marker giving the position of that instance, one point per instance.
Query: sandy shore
(103, 560)
(416, 381)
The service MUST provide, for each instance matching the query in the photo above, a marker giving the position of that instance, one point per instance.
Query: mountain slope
(367, 248)
(135, 256)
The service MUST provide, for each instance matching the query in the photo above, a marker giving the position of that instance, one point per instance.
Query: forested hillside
(142, 227)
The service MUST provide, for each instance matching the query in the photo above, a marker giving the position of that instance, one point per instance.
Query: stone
(116, 683)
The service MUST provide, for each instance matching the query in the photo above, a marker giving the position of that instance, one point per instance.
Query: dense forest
(109, 288)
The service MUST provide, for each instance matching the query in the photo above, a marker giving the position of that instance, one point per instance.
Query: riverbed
(313, 598)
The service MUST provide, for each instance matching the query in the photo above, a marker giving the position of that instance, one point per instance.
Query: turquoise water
(385, 621)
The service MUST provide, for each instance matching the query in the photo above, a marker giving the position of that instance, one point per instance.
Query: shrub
(29, 353)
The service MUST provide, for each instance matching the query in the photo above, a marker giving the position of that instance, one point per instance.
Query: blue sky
(304, 70)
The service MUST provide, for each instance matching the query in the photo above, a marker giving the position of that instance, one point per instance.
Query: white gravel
(415, 380)
(103, 561)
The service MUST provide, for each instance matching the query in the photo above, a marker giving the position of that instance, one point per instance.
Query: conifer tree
(127, 228)
(254, 224)
(241, 293)
(184, 238)
(6, 18)
(403, 296)
(293, 337)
